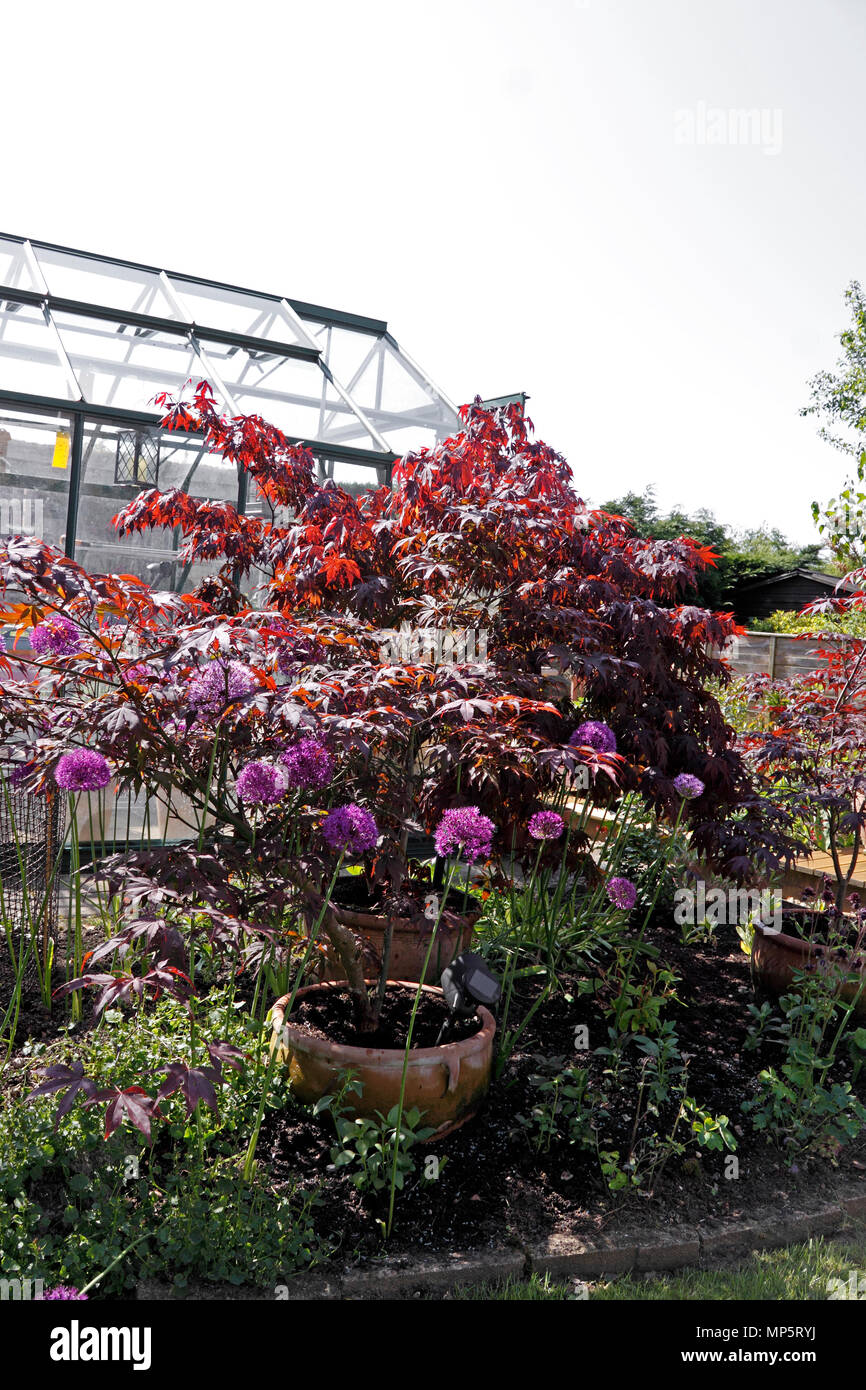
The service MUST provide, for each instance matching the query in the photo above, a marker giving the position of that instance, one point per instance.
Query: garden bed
(494, 1186)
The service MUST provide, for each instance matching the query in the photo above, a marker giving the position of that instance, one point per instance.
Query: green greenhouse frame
(87, 341)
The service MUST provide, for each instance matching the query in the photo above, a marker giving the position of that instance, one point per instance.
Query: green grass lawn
(801, 1272)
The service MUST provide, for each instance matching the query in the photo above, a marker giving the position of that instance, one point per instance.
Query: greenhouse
(87, 342)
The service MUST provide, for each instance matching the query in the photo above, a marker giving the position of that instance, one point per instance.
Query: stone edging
(575, 1257)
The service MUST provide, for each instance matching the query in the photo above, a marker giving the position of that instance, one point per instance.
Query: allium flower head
(688, 787)
(15, 772)
(464, 831)
(140, 671)
(308, 764)
(82, 770)
(622, 892)
(546, 825)
(350, 828)
(218, 683)
(61, 1291)
(594, 734)
(302, 651)
(57, 636)
(261, 784)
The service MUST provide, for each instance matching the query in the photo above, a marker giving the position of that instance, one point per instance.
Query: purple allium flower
(303, 651)
(82, 770)
(61, 1291)
(622, 893)
(546, 825)
(57, 636)
(594, 734)
(350, 828)
(15, 772)
(140, 671)
(261, 783)
(308, 764)
(688, 787)
(220, 681)
(463, 830)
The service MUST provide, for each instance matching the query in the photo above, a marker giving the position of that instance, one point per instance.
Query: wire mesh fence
(31, 838)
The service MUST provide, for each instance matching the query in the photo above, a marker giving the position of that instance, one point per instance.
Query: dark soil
(495, 1187)
(35, 1022)
(328, 1014)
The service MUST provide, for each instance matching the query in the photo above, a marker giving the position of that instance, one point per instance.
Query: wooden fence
(776, 654)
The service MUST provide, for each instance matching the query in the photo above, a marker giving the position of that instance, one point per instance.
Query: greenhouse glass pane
(285, 391)
(123, 366)
(71, 276)
(34, 475)
(338, 424)
(152, 556)
(235, 311)
(405, 411)
(347, 353)
(14, 270)
(401, 389)
(355, 478)
(410, 438)
(29, 359)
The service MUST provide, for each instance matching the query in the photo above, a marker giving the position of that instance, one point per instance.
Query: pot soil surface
(332, 1017)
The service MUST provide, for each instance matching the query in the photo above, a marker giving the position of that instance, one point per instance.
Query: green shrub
(71, 1202)
(793, 623)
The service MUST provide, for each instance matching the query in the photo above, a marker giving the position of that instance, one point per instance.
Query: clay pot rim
(790, 943)
(452, 921)
(797, 946)
(326, 1047)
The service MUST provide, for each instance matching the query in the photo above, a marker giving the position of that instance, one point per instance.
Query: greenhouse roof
(100, 337)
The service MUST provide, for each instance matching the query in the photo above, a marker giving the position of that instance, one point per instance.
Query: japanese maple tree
(237, 696)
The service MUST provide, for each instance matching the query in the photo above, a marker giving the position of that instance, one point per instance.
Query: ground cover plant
(267, 713)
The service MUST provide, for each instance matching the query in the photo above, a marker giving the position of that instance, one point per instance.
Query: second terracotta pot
(776, 956)
(409, 945)
(448, 1083)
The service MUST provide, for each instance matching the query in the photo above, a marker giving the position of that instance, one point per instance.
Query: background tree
(839, 401)
(741, 556)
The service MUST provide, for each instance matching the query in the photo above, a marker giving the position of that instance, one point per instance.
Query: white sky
(502, 182)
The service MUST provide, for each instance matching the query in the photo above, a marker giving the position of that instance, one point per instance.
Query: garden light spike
(466, 983)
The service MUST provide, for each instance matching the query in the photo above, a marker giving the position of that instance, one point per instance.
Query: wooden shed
(788, 592)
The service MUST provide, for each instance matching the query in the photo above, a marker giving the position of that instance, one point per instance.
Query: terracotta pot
(776, 956)
(449, 1083)
(408, 945)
